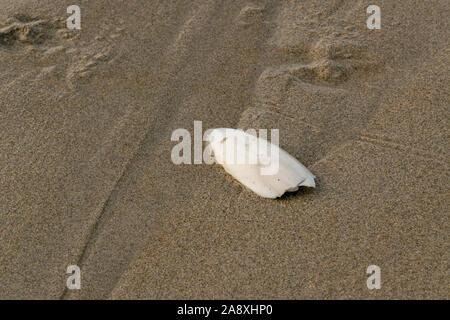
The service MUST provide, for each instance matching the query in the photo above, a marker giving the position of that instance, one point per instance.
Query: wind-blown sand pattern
(86, 178)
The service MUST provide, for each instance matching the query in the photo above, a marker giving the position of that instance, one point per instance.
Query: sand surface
(86, 176)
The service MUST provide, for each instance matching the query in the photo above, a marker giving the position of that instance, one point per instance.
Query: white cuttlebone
(291, 174)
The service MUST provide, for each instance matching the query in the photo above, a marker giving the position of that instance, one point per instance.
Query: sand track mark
(389, 142)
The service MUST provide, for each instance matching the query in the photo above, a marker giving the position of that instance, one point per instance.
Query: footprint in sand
(317, 52)
(56, 50)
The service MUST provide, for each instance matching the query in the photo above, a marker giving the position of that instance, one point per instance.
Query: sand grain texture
(85, 172)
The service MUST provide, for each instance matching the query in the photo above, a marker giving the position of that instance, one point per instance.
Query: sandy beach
(86, 176)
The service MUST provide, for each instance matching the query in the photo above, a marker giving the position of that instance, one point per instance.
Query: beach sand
(86, 176)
